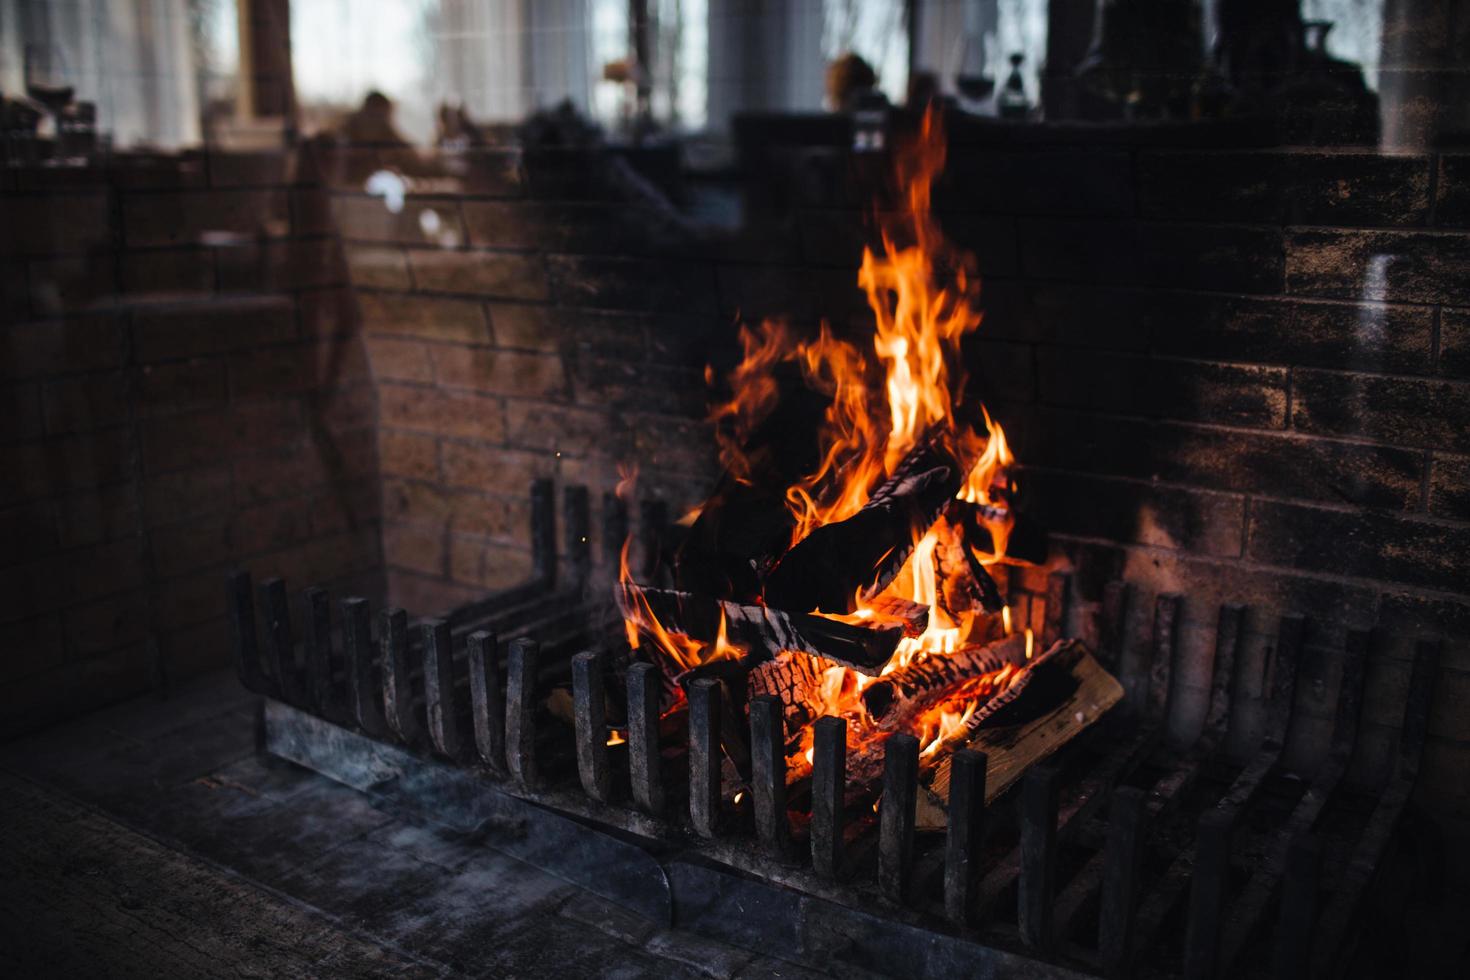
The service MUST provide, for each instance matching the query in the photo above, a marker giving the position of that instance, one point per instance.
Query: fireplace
(999, 516)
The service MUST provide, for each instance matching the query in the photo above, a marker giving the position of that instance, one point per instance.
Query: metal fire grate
(1125, 854)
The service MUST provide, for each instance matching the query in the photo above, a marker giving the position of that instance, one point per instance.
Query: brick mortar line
(1379, 586)
(1307, 502)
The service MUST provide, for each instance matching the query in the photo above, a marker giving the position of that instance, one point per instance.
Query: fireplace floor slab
(165, 804)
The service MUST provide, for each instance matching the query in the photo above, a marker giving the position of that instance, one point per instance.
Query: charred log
(764, 632)
(913, 688)
(796, 678)
(964, 584)
(827, 568)
(745, 525)
(1026, 541)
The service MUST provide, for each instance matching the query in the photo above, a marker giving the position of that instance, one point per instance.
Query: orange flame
(907, 388)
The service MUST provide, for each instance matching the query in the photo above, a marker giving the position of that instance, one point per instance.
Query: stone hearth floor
(151, 839)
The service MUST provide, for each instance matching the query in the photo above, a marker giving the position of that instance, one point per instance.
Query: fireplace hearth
(1130, 852)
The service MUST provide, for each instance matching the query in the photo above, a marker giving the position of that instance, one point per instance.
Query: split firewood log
(796, 678)
(764, 632)
(827, 569)
(964, 584)
(910, 690)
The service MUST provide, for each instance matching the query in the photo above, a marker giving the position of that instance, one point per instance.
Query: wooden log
(829, 781)
(487, 702)
(826, 569)
(761, 631)
(965, 585)
(912, 689)
(896, 815)
(1014, 742)
(590, 716)
(644, 687)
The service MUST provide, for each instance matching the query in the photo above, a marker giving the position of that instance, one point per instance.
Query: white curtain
(133, 58)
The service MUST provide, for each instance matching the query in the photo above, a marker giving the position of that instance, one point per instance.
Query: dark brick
(282, 370)
(1449, 487)
(429, 317)
(1397, 266)
(1407, 616)
(1166, 517)
(186, 494)
(501, 372)
(227, 324)
(172, 387)
(28, 530)
(187, 217)
(203, 438)
(1193, 390)
(1103, 252)
(399, 360)
(55, 224)
(1452, 200)
(421, 221)
(508, 275)
(1002, 371)
(1364, 336)
(86, 402)
(1223, 257)
(1078, 181)
(483, 562)
(378, 266)
(20, 412)
(1275, 464)
(55, 347)
(462, 414)
(494, 470)
(282, 265)
(65, 463)
(1074, 315)
(576, 228)
(244, 169)
(1418, 412)
(561, 430)
(1357, 544)
(73, 284)
(411, 455)
(169, 271)
(1454, 343)
(632, 284)
(1218, 185)
(415, 547)
(1357, 188)
(94, 517)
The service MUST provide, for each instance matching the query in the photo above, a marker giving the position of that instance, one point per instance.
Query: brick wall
(185, 391)
(1240, 374)
(523, 318)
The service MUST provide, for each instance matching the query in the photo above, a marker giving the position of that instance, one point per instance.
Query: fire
(907, 388)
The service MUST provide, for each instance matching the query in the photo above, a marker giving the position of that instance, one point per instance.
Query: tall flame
(909, 387)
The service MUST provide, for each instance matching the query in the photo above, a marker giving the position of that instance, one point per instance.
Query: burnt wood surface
(829, 567)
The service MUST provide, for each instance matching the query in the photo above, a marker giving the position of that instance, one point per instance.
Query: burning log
(827, 569)
(911, 689)
(796, 678)
(763, 632)
(964, 583)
